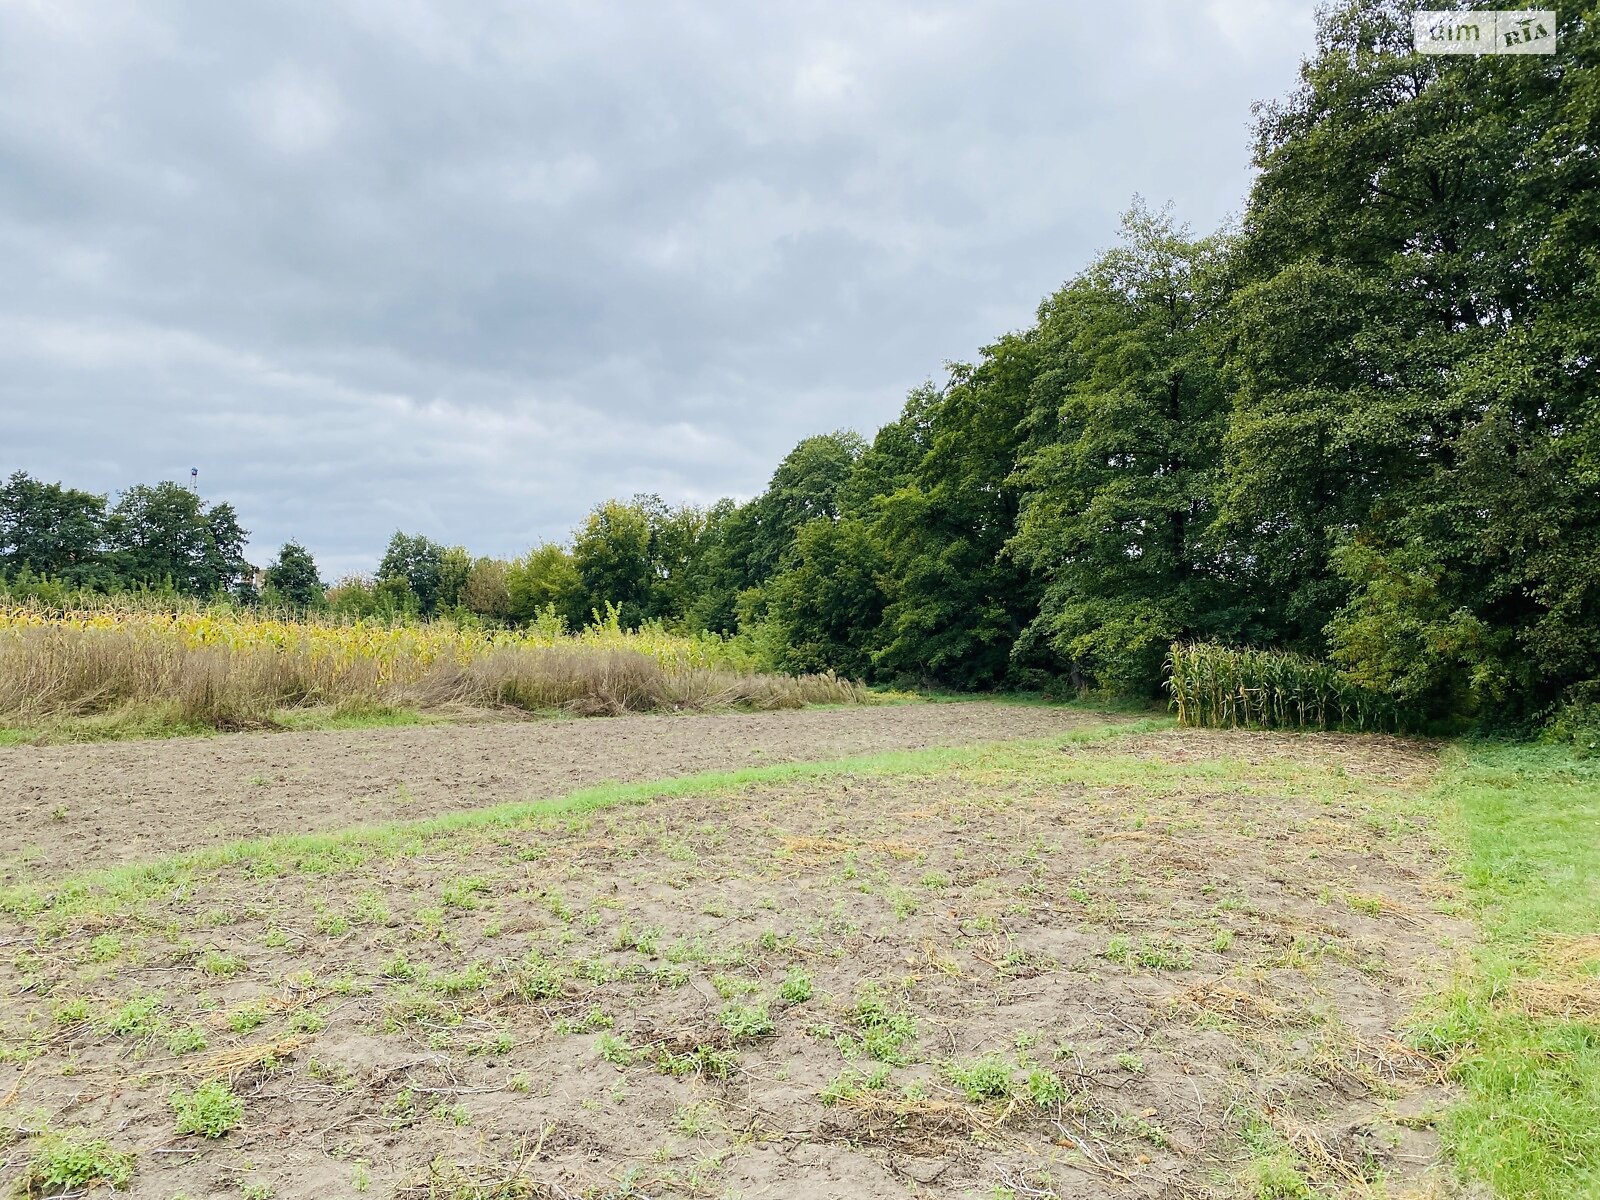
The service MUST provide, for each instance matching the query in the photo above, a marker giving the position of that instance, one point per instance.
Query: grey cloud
(466, 268)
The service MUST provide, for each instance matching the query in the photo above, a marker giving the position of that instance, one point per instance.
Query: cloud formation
(465, 268)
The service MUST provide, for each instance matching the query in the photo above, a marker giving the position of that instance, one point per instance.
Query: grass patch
(1520, 1031)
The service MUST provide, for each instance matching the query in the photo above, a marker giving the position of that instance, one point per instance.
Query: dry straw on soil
(207, 672)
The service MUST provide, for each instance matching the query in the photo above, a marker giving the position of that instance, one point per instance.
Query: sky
(466, 268)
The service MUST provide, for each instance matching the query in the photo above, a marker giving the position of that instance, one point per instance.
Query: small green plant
(67, 1162)
(370, 909)
(615, 1050)
(136, 1017)
(210, 1111)
(558, 907)
(536, 978)
(595, 1018)
(1272, 1172)
(1130, 1063)
(691, 1120)
(252, 1189)
(185, 1039)
(332, 924)
(474, 979)
(745, 1021)
(988, 1078)
(220, 963)
(796, 986)
(847, 1085)
(464, 893)
(251, 1016)
(1045, 1088)
(71, 1012)
(702, 1060)
(105, 948)
(887, 1033)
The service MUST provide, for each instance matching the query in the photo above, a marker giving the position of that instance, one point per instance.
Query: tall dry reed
(51, 672)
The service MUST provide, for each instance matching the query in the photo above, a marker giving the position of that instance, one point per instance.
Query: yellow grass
(224, 670)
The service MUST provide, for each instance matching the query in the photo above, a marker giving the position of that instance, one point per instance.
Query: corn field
(1229, 687)
(227, 670)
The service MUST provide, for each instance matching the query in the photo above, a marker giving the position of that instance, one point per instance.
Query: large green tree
(806, 485)
(826, 603)
(412, 565)
(955, 600)
(1413, 447)
(611, 552)
(165, 534)
(545, 579)
(51, 530)
(1126, 428)
(293, 577)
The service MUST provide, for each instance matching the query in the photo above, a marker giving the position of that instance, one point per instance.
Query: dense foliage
(1360, 426)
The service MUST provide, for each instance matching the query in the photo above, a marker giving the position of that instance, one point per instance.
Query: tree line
(1359, 424)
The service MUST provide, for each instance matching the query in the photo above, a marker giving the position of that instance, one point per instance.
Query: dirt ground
(71, 807)
(1164, 965)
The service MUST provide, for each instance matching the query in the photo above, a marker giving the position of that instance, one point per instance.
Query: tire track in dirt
(68, 808)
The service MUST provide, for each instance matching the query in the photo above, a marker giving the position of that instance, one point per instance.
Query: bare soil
(1174, 958)
(71, 807)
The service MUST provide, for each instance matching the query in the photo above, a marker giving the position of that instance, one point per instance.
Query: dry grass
(50, 673)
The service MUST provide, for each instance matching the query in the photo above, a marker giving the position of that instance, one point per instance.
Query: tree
(487, 591)
(1414, 441)
(956, 602)
(222, 566)
(164, 535)
(723, 570)
(292, 577)
(544, 578)
(417, 563)
(612, 554)
(805, 486)
(51, 530)
(455, 568)
(827, 598)
(678, 543)
(1130, 415)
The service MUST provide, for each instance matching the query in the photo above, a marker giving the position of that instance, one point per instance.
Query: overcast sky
(465, 268)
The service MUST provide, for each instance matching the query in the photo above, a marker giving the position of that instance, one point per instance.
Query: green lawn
(1521, 1027)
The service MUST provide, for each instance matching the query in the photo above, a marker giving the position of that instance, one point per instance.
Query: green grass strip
(1529, 828)
(133, 881)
